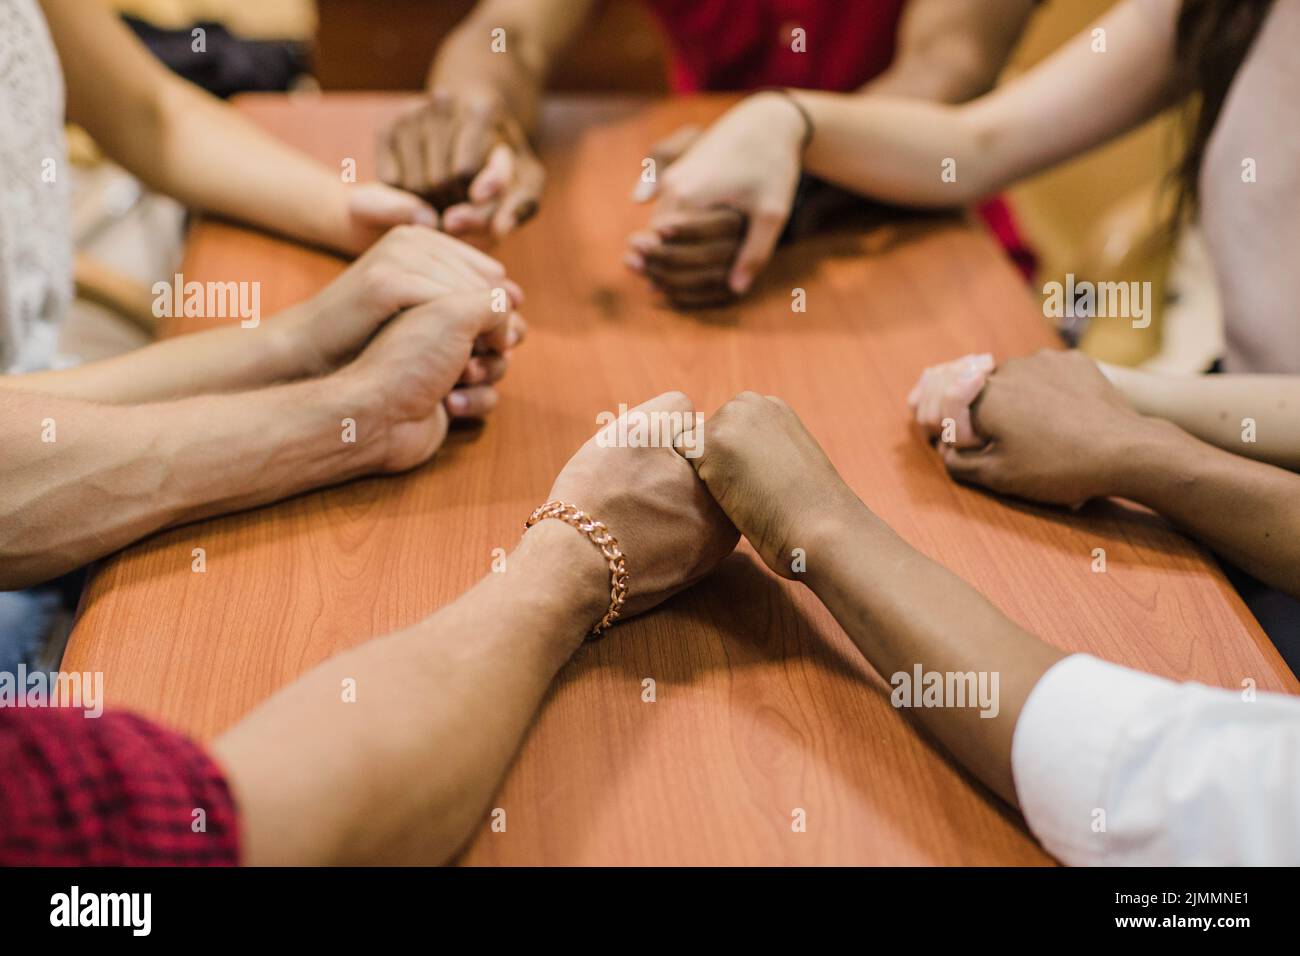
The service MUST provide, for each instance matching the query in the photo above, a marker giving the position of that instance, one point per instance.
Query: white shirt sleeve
(1113, 766)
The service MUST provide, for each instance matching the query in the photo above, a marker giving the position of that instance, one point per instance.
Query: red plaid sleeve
(109, 791)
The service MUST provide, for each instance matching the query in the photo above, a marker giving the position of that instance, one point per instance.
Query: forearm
(82, 480)
(535, 34)
(1250, 415)
(183, 142)
(403, 769)
(223, 359)
(208, 156)
(1244, 510)
(903, 610)
(898, 150)
(951, 51)
(908, 143)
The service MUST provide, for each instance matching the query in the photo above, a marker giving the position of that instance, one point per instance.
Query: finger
(467, 217)
(391, 207)
(689, 443)
(669, 149)
(474, 401)
(485, 369)
(472, 139)
(435, 131)
(672, 413)
(482, 263)
(408, 146)
(970, 467)
(495, 175)
(691, 255)
(520, 201)
(713, 298)
(764, 231)
(687, 280)
(503, 337)
(955, 410)
(390, 170)
(699, 225)
(662, 155)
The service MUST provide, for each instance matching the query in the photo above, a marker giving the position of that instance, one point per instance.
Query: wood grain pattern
(763, 704)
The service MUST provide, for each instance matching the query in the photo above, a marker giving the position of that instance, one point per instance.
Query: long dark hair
(1211, 42)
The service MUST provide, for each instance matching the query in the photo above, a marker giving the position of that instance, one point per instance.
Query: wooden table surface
(763, 705)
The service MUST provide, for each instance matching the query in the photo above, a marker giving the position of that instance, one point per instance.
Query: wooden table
(763, 705)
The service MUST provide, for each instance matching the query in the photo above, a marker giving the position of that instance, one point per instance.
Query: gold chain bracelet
(599, 535)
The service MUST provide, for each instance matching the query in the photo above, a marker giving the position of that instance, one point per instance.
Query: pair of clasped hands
(1048, 428)
(723, 194)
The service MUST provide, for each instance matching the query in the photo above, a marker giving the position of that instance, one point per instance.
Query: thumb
(764, 231)
(969, 466)
(382, 205)
(662, 155)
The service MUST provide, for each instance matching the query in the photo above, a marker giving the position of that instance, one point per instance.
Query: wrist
(837, 532)
(566, 577)
(779, 112)
(1149, 457)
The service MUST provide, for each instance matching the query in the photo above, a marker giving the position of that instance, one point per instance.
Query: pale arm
(188, 144)
(225, 359)
(1215, 408)
(893, 149)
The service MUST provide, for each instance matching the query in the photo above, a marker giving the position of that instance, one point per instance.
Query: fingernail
(512, 338)
(424, 216)
(634, 261)
(741, 281)
(641, 242)
(457, 403)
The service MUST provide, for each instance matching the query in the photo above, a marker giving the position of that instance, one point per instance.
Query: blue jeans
(25, 621)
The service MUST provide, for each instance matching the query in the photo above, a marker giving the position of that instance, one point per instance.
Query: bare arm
(188, 144)
(1249, 415)
(1057, 431)
(950, 51)
(409, 267)
(536, 33)
(81, 480)
(894, 149)
(900, 608)
(403, 774)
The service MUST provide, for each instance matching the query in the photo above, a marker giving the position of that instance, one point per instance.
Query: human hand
(686, 255)
(465, 151)
(372, 209)
(749, 161)
(409, 267)
(942, 398)
(770, 477)
(666, 523)
(434, 362)
(1057, 431)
